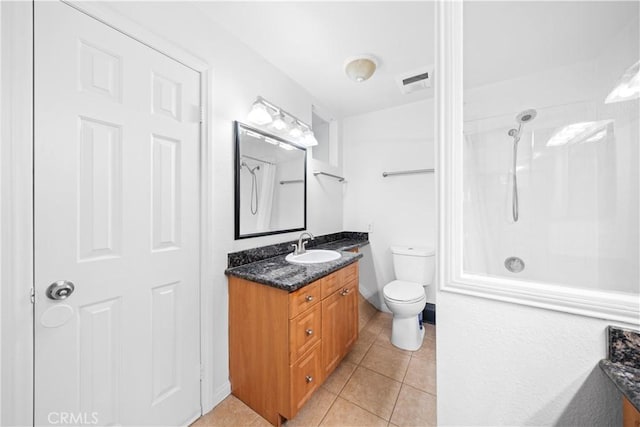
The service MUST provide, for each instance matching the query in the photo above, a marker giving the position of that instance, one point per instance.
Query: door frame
(16, 202)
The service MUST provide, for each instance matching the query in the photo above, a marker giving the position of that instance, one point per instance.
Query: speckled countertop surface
(627, 380)
(277, 272)
(623, 365)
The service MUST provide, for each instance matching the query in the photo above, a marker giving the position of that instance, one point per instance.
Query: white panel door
(117, 139)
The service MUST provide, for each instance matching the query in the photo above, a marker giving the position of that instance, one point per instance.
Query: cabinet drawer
(305, 330)
(330, 284)
(306, 377)
(349, 273)
(304, 298)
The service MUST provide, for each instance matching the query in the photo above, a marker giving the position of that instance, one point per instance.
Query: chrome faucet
(299, 249)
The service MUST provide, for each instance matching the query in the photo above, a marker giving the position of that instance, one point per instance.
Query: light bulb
(259, 114)
(309, 139)
(278, 123)
(295, 131)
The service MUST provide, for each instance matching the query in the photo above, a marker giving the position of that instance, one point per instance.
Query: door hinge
(201, 373)
(33, 295)
(201, 114)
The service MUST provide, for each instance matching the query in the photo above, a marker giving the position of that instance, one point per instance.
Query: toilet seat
(403, 292)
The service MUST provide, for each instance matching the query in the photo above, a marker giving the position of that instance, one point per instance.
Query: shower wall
(578, 196)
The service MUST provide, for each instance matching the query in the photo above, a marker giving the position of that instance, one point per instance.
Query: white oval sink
(313, 256)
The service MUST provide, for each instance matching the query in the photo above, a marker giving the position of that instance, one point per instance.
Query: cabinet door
(332, 332)
(306, 377)
(630, 415)
(350, 316)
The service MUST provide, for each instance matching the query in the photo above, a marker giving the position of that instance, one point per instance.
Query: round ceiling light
(360, 68)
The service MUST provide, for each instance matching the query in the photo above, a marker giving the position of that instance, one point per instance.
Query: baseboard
(219, 395)
(429, 314)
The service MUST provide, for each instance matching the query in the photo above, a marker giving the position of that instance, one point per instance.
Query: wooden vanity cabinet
(283, 345)
(340, 319)
(630, 415)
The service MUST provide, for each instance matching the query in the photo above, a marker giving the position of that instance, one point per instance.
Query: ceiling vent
(415, 80)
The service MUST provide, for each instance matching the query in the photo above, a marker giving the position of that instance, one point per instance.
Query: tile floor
(377, 384)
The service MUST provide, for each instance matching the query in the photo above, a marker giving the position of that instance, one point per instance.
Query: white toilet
(406, 296)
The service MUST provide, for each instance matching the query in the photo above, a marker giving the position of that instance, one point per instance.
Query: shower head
(251, 170)
(526, 116)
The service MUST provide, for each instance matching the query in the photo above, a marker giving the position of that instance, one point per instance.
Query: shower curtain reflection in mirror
(270, 184)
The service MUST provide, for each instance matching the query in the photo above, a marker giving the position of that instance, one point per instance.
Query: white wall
(239, 76)
(505, 364)
(400, 209)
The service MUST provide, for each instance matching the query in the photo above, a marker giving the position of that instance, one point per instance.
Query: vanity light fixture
(309, 138)
(264, 112)
(278, 122)
(259, 114)
(295, 131)
(360, 68)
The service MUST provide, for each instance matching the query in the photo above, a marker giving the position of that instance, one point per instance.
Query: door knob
(59, 290)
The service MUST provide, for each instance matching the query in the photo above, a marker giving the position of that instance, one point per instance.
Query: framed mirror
(270, 184)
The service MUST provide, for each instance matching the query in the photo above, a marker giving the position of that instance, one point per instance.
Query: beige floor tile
(372, 391)
(314, 410)
(372, 327)
(260, 422)
(366, 336)
(339, 377)
(414, 408)
(366, 308)
(389, 362)
(431, 331)
(422, 375)
(360, 348)
(344, 413)
(384, 340)
(363, 319)
(378, 321)
(230, 412)
(427, 351)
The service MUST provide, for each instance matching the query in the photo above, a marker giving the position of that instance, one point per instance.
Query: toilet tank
(414, 264)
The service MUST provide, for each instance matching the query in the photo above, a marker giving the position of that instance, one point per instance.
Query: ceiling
(309, 41)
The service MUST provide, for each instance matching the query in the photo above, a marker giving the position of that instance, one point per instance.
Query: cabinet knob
(345, 292)
(308, 378)
(309, 298)
(309, 332)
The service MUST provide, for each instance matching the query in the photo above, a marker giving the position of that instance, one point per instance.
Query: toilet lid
(400, 290)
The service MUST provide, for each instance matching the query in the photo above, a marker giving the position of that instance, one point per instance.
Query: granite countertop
(623, 364)
(626, 378)
(341, 245)
(277, 272)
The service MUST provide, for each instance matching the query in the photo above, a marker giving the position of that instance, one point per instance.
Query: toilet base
(406, 333)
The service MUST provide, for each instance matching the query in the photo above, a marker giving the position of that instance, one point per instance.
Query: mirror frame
(237, 234)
